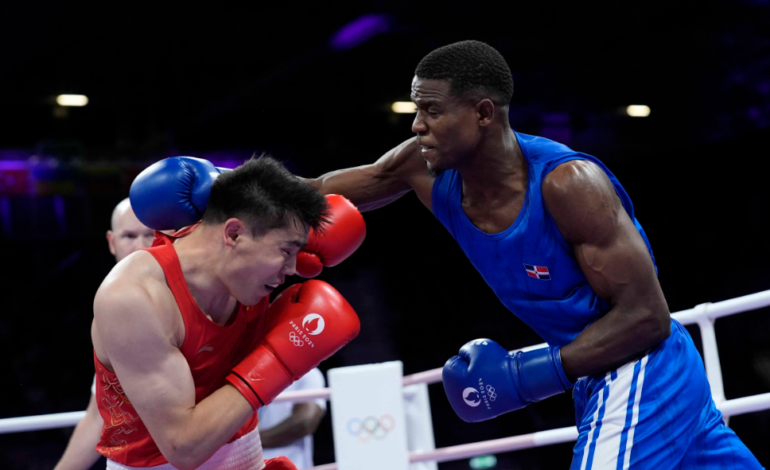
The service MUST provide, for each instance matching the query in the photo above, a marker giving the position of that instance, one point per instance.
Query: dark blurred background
(313, 85)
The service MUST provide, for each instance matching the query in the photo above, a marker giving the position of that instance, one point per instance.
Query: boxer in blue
(555, 236)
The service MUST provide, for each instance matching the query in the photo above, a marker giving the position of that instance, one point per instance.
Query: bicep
(606, 243)
(153, 373)
(618, 265)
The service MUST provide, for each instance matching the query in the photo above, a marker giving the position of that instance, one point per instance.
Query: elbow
(183, 457)
(183, 462)
(179, 460)
(657, 326)
(309, 426)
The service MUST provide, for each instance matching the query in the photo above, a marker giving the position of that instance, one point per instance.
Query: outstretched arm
(369, 187)
(617, 264)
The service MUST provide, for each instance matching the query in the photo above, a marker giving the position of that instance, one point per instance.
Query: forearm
(362, 186)
(205, 428)
(373, 186)
(81, 453)
(303, 421)
(283, 434)
(620, 336)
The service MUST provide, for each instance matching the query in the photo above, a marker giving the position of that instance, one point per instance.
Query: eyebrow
(426, 103)
(298, 243)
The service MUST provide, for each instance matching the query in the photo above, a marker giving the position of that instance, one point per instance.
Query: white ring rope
(703, 315)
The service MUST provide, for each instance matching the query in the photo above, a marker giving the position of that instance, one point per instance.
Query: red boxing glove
(306, 324)
(339, 238)
(279, 463)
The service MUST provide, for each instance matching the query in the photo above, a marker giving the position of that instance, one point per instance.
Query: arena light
(638, 110)
(404, 107)
(72, 100)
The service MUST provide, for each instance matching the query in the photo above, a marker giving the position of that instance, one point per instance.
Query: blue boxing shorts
(655, 413)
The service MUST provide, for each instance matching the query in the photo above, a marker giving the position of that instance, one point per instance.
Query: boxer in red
(186, 347)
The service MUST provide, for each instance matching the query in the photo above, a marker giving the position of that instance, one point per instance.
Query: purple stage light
(358, 31)
(61, 219)
(15, 154)
(15, 177)
(5, 216)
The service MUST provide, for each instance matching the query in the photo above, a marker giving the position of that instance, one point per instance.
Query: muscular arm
(81, 453)
(369, 187)
(615, 260)
(157, 379)
(303, 421)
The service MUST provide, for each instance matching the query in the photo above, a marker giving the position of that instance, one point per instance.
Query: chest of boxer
(211, 351)
(528, 264)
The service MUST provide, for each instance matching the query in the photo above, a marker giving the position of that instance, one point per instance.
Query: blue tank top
(530, 266)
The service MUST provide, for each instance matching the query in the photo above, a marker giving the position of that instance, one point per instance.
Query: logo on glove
(296, 340)
(314, 324)
(491, 393)
(471, 397)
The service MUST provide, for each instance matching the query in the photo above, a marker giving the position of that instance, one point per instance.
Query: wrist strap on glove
(540, 373)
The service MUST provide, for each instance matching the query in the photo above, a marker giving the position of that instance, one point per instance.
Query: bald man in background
(126, 236)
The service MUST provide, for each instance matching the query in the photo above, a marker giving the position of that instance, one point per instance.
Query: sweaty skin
(138, 330)
(472, 135)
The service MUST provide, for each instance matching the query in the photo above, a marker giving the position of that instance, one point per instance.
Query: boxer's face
(446, 125)
(128, 235)
(257, 265)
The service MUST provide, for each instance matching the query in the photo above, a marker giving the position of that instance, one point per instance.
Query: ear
(111, 242)
(485, 109)
(232, 229)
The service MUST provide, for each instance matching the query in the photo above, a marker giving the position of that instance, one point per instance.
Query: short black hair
(469, 66)
(265, 195)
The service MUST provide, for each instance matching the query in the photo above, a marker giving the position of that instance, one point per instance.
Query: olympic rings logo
(296, 340)
(473, 397)
(371, 428)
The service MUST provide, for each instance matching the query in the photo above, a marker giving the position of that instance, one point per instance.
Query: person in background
(126, 235)
(287, 429)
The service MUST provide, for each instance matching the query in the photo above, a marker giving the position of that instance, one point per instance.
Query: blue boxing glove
(173, 193)
(485, 381)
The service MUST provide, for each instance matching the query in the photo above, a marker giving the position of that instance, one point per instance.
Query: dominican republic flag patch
(538, 272)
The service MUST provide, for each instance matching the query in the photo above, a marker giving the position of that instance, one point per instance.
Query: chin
(255, 299)
(252, 298)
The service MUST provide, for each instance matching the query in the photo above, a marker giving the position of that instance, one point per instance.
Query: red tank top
(211, 351)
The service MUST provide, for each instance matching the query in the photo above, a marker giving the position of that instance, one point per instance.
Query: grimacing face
(446, 125)
(257, 265)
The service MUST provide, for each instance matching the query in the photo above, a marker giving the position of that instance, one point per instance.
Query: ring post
(368, 419)
(419, 424)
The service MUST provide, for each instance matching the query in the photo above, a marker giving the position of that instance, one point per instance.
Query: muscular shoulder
(581, 200)
(134, 296)
(404, 160)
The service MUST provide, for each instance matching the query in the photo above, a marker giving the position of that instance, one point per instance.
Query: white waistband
(244, 453)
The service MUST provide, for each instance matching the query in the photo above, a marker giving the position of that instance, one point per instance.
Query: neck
(495, 169)
(201, 268)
